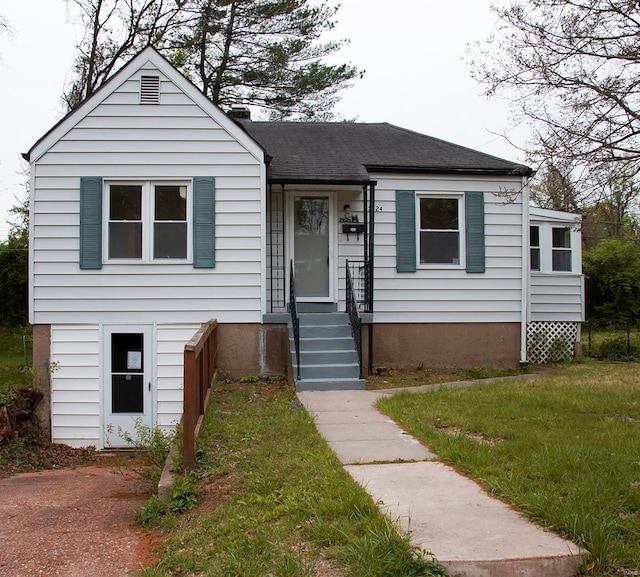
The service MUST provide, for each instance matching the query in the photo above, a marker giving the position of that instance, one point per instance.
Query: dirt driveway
(72, 523)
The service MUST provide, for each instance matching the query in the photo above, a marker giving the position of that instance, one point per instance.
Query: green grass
(564, 449)
(13, 373)
(12, 346)
(276, 502)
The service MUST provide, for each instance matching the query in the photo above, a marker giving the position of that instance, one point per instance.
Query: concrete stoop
(445, 513)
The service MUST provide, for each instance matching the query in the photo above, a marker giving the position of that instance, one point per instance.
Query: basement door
(128, 394)
(313, 247)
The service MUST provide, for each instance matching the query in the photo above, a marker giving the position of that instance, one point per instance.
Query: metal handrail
(293, 311)
(354, 316)
(361, 282)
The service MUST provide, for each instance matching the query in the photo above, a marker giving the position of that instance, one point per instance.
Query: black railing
(354, 316)
(361, 282)
(295, 321)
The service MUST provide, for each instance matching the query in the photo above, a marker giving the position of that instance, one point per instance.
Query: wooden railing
(199, 372)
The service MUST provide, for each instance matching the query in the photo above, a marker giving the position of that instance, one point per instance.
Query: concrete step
(317, 307)
(318, 319)
(325, 357)
(324, 331)
(325, 344)
(330, 371)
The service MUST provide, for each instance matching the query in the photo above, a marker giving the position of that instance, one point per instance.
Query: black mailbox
(352, 228)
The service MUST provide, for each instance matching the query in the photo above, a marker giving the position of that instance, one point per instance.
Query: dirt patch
(477, 437)
(73, 523)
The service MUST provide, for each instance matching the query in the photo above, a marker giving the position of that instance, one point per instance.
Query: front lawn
(275, 501)
(564, 449)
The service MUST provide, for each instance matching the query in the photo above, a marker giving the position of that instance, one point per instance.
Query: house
(152, 211)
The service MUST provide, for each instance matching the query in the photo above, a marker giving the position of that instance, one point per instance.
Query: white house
(153, 211)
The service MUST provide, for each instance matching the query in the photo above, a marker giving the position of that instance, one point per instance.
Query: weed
(383, 552)
(250, 379)
(184, 494)
(151, 443)
(151, 511)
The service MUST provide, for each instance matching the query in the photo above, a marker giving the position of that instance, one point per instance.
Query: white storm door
(128, 377)
(312, 247)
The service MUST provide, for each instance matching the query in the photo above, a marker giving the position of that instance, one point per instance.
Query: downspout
(524, 308)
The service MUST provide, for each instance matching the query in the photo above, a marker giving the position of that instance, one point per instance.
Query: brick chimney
(239, 111)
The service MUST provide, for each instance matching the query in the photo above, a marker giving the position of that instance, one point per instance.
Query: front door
(127, 382)
(312, 247)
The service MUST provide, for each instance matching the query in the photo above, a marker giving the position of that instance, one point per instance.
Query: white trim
(462, 256)
(31, 272)
(263, 238)
(333, 241)
(149, 417)
(147, 220)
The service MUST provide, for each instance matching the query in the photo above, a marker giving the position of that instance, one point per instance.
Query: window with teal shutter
(405, 231)
(475, 241)
(91, 223)
(204, 223)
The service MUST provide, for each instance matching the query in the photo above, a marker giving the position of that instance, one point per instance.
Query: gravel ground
(73, 523)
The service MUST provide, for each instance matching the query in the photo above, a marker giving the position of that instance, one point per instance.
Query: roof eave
(511, 171)
(333, 181)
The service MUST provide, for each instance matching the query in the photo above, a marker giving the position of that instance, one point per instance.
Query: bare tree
(573, 67)
(114, 31)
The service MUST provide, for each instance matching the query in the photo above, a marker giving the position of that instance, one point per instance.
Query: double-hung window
(561, 249)
(534, 247)
(147, 221)
(439, 230)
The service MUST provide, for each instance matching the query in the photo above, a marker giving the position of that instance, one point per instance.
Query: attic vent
(150, 90)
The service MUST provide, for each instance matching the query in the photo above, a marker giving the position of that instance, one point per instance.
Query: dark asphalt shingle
(349, 152)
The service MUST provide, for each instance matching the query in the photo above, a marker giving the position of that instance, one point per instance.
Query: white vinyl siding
(447, 294)
(174, 141)
(557, 297)
(171, 340)
(75, 385)
(76, 377)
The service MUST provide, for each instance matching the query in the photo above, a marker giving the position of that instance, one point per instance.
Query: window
(170, 222)
(147, 221)
(439, 231)
(534, 244)
(125, 221)
(561, 249)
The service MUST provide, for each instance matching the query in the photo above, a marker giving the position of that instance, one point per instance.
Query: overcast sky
(412, 52)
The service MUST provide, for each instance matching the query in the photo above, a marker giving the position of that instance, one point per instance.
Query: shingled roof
(348, 152)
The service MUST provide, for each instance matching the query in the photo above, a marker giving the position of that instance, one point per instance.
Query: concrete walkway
(446, 513)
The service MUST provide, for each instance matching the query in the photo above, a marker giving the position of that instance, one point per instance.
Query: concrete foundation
(41, 379)
(460, 345)
(252, 349)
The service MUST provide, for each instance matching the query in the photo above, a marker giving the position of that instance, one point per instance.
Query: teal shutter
(90, 223)
(204, 222)
(405, 231)
(474, 221)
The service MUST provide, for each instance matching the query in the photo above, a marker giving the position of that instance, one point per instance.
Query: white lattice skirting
(549, 341)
